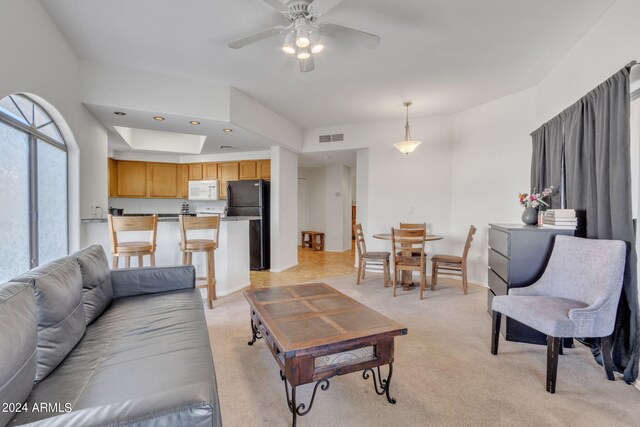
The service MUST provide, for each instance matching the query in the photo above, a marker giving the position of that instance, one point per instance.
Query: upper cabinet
(248, 170)
(196, 172)
(264, 169)
(170, 180)
(131, 179)
(227, 171)
(162, 180)
(210, 170)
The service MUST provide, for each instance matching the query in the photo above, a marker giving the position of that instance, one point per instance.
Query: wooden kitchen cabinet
(196, 172)
(183, 181)
(162, 180)
(248, 169)
(263, 169)
(132, 179)
(228, 171)
(112, 169)
(210, 170)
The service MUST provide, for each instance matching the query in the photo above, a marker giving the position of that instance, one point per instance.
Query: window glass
(8, 107)
(14, 215)
(52, 202)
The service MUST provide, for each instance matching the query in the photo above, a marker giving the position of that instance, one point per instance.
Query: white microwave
(203, 190)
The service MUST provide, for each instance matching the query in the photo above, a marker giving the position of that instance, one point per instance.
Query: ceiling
(240, 139)
(443, 55)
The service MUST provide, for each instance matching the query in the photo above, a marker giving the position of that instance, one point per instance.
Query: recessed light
(194, 122)
(119, 113)
(158, 118)
(227, 130)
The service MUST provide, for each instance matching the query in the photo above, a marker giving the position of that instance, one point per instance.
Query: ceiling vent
(336, 137)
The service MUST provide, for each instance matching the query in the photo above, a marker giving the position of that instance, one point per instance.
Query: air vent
(336, 137)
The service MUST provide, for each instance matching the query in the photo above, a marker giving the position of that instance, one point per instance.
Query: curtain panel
(547, 161)
(597, 174)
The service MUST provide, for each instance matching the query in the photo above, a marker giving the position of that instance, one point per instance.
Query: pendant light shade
(408, 145)
(289, 43)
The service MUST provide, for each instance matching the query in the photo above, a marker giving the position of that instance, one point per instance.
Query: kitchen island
(231, 257)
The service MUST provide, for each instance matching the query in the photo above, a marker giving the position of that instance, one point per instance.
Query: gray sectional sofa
(85, 346)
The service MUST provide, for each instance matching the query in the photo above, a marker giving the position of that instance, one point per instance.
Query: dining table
(407, 278)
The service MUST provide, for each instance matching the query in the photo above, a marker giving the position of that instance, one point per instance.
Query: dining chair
(452, 265)
(405, 243)
(189, 246)
(576, 296)
(365, 257)
(128, 249)
(415, 226)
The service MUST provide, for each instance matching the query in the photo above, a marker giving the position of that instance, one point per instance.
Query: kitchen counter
(174, 218)
(232, 259)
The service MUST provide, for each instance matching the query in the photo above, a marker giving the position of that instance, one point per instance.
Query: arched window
(33, 179)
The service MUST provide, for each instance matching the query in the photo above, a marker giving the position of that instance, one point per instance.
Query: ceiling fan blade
(320, 7)
(277, 5)
(273, 31)
(370, 41)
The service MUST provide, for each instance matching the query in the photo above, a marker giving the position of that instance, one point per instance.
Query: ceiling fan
(303, 33)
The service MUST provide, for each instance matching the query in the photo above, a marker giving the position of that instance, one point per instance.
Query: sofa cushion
(60, 310)
(96, 281)
(19, 332)
(139, 347)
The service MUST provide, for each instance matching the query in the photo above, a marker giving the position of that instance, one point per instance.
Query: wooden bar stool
(134, 248)
(189, 246)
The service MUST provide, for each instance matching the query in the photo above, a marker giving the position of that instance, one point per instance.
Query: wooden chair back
(209, 222)
(132, 223)
(360, 244)
(413, 226)
(407, 242)
(467, 245)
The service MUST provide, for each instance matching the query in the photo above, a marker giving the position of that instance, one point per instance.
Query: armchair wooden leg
(359, 271)
(434, 275)
(553, 348)
(495, 333)
(605, 349)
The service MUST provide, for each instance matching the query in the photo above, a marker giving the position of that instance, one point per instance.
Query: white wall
(36, 59)
(316, 179)
(393, 187)
(284, 209)
(491, 158)
(338, 209)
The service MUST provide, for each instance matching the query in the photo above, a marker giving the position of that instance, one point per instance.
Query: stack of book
(565, 219)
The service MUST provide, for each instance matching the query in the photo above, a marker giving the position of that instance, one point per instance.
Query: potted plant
(531, 203)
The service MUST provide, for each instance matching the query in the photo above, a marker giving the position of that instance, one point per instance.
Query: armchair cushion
(548, 315)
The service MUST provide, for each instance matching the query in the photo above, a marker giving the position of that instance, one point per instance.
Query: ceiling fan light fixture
(408, 145)
(304, 53)
(289, 43)
(316, 44)
(307, 65)
(302, 35)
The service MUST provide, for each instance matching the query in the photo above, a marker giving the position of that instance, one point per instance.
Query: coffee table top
(301, 318)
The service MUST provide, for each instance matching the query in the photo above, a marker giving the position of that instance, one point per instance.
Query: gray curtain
(547, 161)
(598, 181)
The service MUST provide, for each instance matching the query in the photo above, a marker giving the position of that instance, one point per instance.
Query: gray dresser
(518, 255)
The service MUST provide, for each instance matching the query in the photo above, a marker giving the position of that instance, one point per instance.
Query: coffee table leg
(301, 409)
(255, 332)
(380, 385)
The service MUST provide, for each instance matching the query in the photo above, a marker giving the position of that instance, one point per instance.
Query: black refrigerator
(251, 198)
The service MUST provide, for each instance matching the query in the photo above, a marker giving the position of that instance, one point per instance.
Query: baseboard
(280, 270)
(473, 282)
(232, 291)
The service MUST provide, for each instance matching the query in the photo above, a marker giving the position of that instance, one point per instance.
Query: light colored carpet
(444, 374)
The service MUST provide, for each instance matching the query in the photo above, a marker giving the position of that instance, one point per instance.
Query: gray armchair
(577, 296)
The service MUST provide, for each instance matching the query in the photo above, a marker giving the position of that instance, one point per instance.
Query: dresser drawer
(499, 264)
(496, 284)
(500, 242)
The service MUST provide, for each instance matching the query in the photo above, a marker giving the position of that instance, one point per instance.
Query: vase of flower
(531, 203)
(530, 216)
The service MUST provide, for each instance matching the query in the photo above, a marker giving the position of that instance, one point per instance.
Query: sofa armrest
(193, 405)
(151, 280)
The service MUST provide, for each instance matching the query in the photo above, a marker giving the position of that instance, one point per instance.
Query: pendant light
(408, 145)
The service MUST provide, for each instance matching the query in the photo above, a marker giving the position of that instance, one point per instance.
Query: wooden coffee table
(315, 332)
